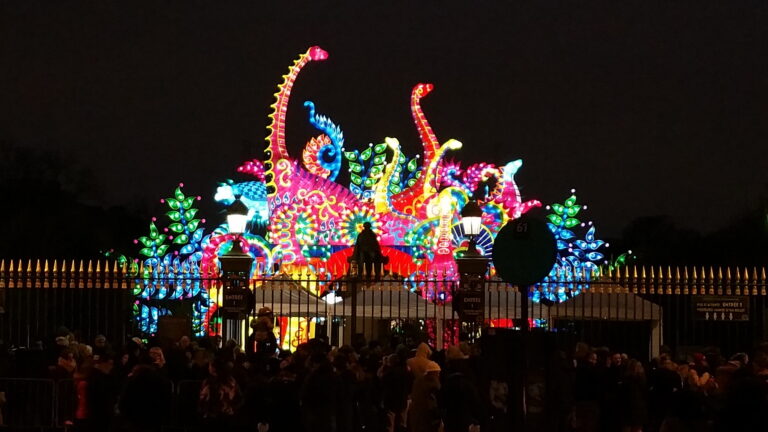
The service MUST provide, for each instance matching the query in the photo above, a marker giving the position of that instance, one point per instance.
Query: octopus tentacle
(431, 171)
(329, 154)
(312, 155)
(510, 198)
(428, 138)
(404, 201)
(381, 193)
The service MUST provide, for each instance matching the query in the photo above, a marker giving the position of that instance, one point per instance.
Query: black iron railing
(632, 309)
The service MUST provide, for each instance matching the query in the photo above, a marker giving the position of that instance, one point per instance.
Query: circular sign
(524, 251)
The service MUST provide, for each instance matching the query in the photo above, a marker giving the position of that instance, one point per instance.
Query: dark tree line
(658, 240)
(49, 212)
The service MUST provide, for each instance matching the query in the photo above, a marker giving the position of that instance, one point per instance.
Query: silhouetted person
(462, 405)
(367, 250)
(103, 390)
(746, 399)
(424, 412)
(285, 399)
(632, 394)
(145, 399)
(396, 384)
(346, 382)
(262, 343)
(319, 396)
(219, 397)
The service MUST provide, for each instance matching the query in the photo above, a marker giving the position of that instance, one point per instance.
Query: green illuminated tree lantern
(154, 246)
(184, 225)
(578, 254)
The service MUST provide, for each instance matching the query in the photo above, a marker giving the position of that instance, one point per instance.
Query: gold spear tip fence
(686, 280)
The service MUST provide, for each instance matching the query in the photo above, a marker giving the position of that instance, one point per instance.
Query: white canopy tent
(614, 306)
(287, 297)
(370, 304)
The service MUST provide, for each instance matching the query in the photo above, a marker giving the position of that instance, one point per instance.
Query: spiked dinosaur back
(276, 155)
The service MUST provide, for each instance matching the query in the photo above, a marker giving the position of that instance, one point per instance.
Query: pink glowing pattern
(316, 53)
(253, 167)
(211, 249)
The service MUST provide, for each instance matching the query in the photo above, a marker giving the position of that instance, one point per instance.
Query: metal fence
(635, 310)
(45, 404)
(29, 403)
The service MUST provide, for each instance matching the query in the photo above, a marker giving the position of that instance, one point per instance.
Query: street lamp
(237, 217)
(469, 299)
(471, 220)
(236, 271)
(236, 262)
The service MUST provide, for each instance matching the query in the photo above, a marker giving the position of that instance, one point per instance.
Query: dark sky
(644, 108)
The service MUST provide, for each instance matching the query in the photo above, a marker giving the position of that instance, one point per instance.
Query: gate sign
(468, 302)
(237, 302)
(721, 308)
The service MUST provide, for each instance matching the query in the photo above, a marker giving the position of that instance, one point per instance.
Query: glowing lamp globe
(237, 217)
(332, 298)
(471, 219)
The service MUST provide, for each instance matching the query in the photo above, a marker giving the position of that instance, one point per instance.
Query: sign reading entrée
(237, 302)
(469, 301)
(721, 308)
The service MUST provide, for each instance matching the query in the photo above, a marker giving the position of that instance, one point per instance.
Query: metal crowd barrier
(44, 404)
(66, 402)
(29, 403)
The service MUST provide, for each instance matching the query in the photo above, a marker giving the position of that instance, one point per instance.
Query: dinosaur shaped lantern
(312, 220)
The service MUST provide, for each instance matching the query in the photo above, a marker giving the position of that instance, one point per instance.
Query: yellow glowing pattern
(295, 331)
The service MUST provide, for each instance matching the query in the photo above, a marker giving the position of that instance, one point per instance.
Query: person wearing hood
(424, 410)
(396, 382)
(101, 347)
(262, 343)
(418, 364)
(460, 398)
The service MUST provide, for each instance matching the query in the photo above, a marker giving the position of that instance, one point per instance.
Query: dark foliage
(47, 212)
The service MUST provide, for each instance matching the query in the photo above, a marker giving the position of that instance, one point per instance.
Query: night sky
(644, 109)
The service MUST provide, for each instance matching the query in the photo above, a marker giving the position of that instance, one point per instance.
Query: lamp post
(236, 264)
(471, 221)
(469, 299)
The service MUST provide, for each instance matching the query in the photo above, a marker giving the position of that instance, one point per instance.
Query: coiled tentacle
(331, 144)
(312, 156)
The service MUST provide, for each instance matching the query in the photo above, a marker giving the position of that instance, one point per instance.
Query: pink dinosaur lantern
(311, 216)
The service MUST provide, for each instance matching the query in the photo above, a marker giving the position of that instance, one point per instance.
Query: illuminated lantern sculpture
(578, 259)
(303, 219)
(168, 255)
(312, 219)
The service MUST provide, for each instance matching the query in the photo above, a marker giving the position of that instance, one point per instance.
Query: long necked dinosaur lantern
(312, 220)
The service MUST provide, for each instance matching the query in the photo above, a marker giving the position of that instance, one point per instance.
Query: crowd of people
(700, 392)
(210, 384)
